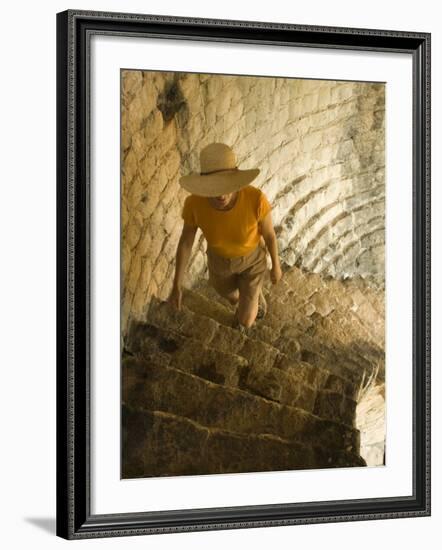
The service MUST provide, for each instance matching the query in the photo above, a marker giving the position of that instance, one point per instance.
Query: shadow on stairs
(199, 397)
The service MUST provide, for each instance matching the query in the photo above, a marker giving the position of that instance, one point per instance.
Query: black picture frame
(74, 518)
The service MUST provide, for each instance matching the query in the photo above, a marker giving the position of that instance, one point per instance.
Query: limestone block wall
(319, 145)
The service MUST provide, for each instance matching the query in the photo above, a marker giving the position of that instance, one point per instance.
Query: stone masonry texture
(302, 389)
(305, 388)
(320, 148)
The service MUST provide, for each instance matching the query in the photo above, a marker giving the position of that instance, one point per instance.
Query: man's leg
(247, 308)
(233, 297)
(251, 280)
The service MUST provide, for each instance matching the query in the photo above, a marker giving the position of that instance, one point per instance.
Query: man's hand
(184, 249)
(275, 273)
(175, 297)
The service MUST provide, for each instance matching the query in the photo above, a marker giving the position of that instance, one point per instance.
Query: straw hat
(219, 173)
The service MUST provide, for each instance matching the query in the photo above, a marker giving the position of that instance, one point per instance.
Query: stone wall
(319, 146)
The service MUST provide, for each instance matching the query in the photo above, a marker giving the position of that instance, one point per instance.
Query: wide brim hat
(219, 173)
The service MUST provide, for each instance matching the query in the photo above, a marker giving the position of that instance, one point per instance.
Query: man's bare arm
(268, 232)
(183, 252)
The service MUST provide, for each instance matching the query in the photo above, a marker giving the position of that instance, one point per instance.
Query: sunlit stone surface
(306, 390)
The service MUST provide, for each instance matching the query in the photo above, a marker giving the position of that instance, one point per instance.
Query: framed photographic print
(243, 277)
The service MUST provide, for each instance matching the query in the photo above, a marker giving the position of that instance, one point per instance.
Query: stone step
(352, 328)
(359, 353)
(156, 387)
(148, 342)
(348, 359)
(319, 354)
(157, 345)
(298, 279)
(332, 405)
(205, 301)
(306, 284)
(349, 295)
(258, 353)
(283, 311)
(290, 349)
(261, 331)
(319, 378)
(360, 307)
(331, 342)
(298, 348)
(208, 306)
(360, 291)
(156, 443)
(298, 286)
(211, 333)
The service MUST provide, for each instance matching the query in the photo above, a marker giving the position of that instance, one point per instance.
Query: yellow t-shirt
(229, 233)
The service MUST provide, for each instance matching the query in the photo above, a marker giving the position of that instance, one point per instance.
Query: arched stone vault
(320, 146)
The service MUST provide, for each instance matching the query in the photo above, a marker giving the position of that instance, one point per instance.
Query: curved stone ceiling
(320, 148)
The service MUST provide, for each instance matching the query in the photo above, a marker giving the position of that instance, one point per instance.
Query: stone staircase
(199, 397)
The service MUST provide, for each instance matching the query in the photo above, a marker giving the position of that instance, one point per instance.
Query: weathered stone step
(149, 342)
(213, 308)
(211, 333)
(296, 287)
(288, 387)
(362, 315)
(162, 444)
(344, 366)
(348, 292)
(320, 346)
(204, 300)
(260, 331)
(342, 325)
(353, 328)
(298, 320)
(308, 283)
(297, 348)
(320, 355)
(350, 295)
(157, 344)
(319, 378)
(358, 353)
(347, 360)
(258, 353)
(174, 391)
(358, 291)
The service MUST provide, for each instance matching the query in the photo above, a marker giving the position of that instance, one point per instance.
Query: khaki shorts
(245, 273)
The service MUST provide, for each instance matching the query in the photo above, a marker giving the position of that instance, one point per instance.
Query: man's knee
(231, 295)
(247, 309)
